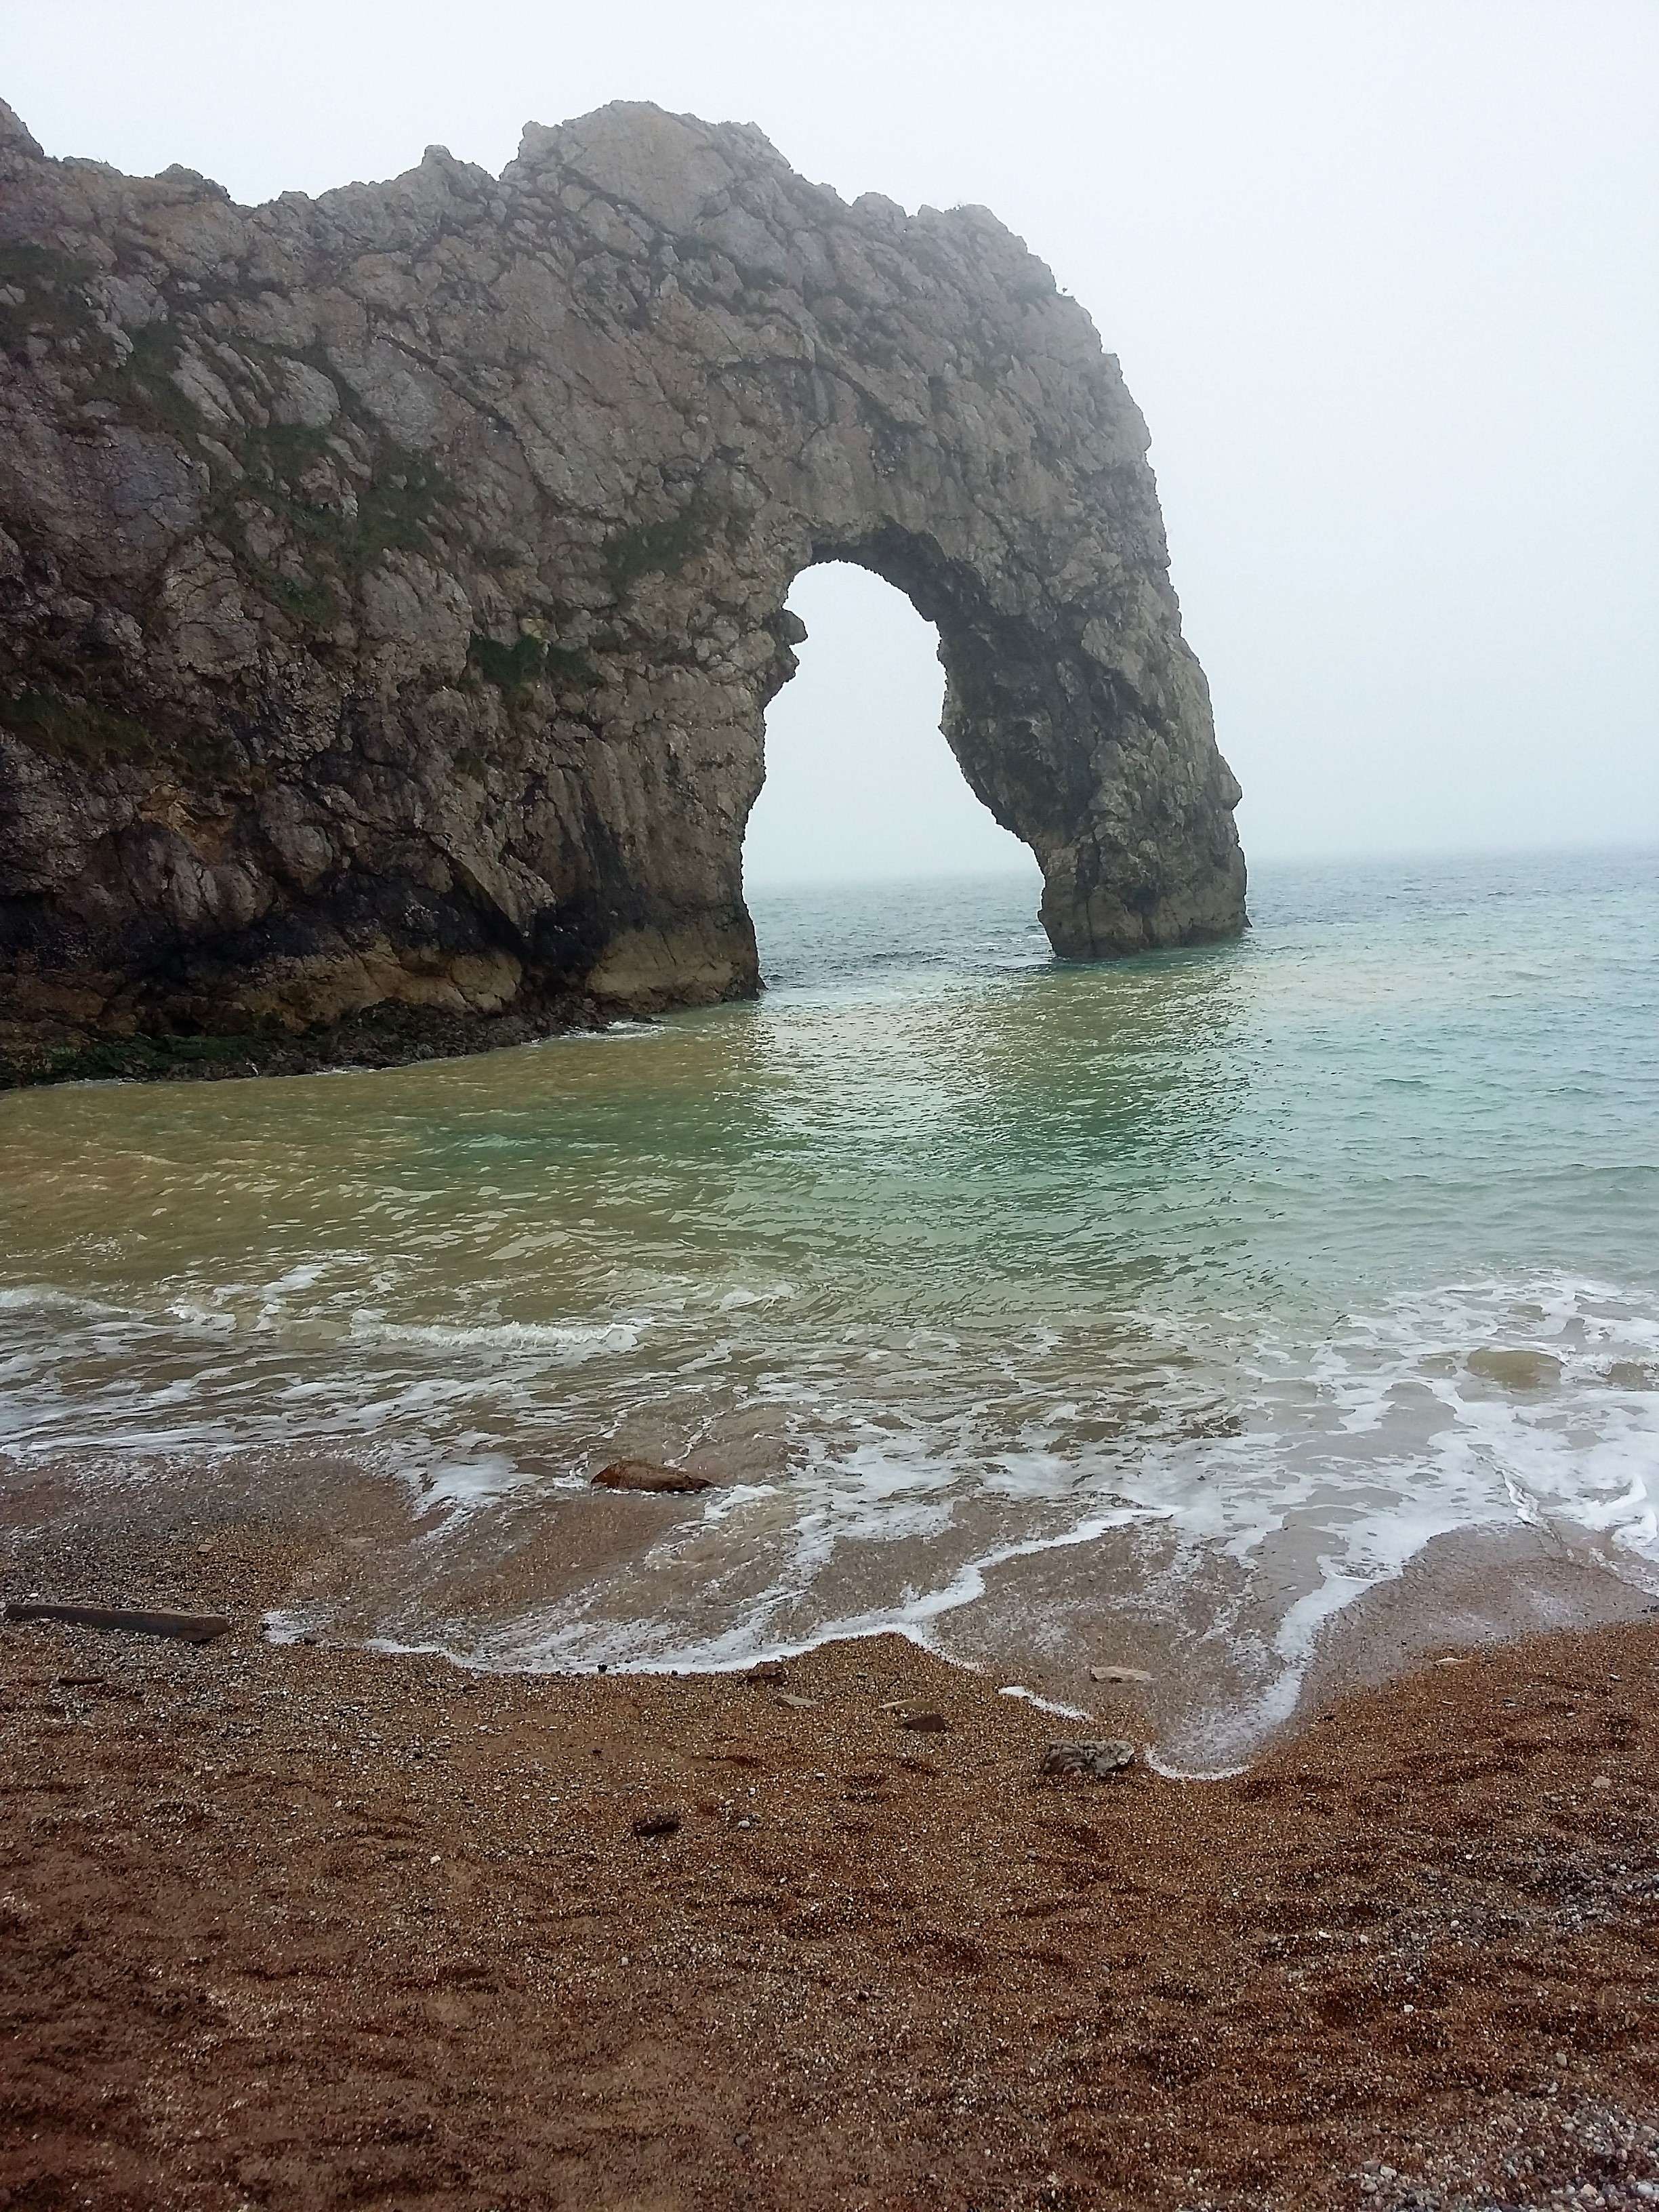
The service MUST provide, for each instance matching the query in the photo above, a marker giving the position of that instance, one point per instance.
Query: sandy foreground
(311, 1926)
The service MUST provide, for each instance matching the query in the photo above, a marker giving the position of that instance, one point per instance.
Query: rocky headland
(393, 585)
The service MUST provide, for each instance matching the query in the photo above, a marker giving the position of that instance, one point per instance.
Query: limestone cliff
(393, 583)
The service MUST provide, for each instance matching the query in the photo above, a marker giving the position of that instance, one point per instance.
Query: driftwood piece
(188, 1627)
(646, 1474)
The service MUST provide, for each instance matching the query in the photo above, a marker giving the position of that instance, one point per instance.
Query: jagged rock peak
(16, 137)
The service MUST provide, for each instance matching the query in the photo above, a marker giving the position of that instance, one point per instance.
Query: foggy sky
(1382, 277)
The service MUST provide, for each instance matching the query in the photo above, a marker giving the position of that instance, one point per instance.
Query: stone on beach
(1514, 1368)
(646, 1474)
(1119, 1674)
(661, 1821)
(1102, 1757)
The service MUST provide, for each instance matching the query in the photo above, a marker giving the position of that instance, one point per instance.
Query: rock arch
(394, 582)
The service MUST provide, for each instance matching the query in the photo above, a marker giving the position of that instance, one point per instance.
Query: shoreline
(1211, 1683)
(306, 1922)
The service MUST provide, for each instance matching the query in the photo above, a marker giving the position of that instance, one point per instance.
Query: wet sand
(533, 1580)
(310, 1925)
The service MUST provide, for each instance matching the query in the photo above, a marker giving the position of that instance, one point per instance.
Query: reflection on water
(943, 1253)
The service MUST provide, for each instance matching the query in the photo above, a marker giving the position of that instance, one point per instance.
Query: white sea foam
(1172, 1772)
(462, 1486)
(572, 1342)
(290, 1623)
(1043, 1705)
(1356, 1497)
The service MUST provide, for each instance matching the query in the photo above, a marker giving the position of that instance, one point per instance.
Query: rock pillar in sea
(393, 583)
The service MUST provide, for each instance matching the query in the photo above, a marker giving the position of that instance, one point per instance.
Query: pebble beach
(310, 1925)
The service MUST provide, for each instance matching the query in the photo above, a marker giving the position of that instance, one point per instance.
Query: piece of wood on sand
(188, 1627)
(646, 1474)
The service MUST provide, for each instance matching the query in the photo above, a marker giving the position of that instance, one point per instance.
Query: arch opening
(860, 783)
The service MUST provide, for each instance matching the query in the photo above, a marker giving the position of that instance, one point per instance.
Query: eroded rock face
(393, 583)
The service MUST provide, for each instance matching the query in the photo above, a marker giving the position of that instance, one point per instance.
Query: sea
(1149, 1313)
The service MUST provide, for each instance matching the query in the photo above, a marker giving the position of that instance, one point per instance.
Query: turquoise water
(1249, 1267)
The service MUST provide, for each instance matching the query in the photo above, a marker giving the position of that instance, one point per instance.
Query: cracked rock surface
(393, 583)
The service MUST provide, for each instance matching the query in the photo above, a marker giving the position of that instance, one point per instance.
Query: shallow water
(1227, 1278)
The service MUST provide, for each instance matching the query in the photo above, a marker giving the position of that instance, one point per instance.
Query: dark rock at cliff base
(392, 584)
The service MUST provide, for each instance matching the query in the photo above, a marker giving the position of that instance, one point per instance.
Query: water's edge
(1051, 1315)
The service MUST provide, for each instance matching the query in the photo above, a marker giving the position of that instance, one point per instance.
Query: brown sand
(312, 1927)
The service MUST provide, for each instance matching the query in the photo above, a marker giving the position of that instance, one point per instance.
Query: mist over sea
(1035, 1308)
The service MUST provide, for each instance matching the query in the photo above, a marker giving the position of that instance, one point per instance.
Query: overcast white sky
(1383, 277)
